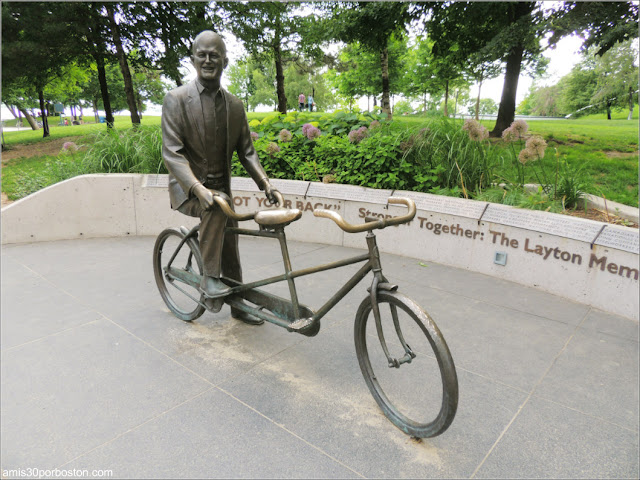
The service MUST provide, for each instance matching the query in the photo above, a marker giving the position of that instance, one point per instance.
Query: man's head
(209, 57)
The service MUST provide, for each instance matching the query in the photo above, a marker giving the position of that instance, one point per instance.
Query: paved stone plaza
(97, 374)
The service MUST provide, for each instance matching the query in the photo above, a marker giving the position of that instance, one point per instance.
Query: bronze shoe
(213, 287)
(246, 317)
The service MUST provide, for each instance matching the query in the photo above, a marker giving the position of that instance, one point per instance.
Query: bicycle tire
(178, 296)
(420, 325)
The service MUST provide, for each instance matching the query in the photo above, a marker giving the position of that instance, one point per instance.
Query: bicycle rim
(181, 298)
(420, 397)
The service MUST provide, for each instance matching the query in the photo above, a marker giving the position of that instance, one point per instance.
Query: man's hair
(207, 32)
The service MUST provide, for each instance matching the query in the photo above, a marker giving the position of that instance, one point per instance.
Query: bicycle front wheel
(182, 298)
(420, 396)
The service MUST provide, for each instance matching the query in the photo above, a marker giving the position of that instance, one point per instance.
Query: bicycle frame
(289, 313)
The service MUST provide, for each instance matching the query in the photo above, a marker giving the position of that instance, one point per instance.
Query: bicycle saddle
(277, 217)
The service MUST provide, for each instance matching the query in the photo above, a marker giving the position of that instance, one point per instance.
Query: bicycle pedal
(300, 324)
(214, 305)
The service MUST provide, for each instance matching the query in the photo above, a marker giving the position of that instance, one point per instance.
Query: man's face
(209, 59)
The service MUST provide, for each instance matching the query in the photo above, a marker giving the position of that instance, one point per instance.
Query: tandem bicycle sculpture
(397, 343)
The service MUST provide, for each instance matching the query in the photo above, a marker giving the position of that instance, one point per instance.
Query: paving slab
(548, 440)
(97, 374)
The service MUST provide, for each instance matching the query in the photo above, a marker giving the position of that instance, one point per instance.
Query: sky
(562, 59)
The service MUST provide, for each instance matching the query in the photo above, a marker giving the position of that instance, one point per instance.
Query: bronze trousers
(220, 253)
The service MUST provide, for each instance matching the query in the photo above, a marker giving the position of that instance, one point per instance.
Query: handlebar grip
(341, 222)
(224, 206)
(381, 223)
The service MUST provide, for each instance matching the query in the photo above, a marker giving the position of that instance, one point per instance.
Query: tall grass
(126, 151)
(461, 163)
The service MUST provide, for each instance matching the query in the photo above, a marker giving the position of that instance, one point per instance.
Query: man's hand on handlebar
(204, 195)
(271, 193)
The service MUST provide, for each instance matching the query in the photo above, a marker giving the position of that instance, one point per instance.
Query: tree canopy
(426, 51)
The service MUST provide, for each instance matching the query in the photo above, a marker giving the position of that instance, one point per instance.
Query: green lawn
(607, 150)
(28, 136)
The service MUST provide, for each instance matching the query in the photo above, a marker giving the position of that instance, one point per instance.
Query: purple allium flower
(470, 124)
(254, 136)
(356, 136)
(272, 148)
(478, 134)
(476, 131)
(305, 128)
(285, 135)
(509, 135)
(526, 155)
(520, 127)
(310, 131)
(374, 124)
(537, 144)
(69, 147)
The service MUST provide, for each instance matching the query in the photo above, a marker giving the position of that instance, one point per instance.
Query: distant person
(310, 103)
(301, 101)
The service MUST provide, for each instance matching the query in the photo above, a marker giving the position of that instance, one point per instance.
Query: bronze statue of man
(202, 125)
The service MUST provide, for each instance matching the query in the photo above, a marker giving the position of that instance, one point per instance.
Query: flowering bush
(254, 136)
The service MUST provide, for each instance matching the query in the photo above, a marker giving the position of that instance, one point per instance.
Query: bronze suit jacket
(183, 141)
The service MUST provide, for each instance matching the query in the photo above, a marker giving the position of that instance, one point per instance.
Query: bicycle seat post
(279, 230)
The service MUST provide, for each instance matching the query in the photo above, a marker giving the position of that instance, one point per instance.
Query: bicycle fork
(380, 282)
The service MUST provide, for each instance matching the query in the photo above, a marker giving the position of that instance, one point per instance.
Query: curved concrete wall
(586, 261)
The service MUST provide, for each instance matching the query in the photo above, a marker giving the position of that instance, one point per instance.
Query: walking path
(98, 375)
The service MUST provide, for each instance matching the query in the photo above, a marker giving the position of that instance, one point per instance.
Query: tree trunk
(507, 109)
(104, 89)
(384, 66)
(124, 67)
(43, 111)
(608, 109)
(446, 99)
(139, 105)
(630, 103)
(32, 121)
(282, 98)
(95, 110)
(12, 110)
(455, 107)
(478, 102)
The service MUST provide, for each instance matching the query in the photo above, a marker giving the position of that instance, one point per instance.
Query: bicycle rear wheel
(421, 396)
(181, 297)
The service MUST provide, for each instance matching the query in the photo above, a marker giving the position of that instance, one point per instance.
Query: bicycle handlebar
(382, 223)
(224, 205)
